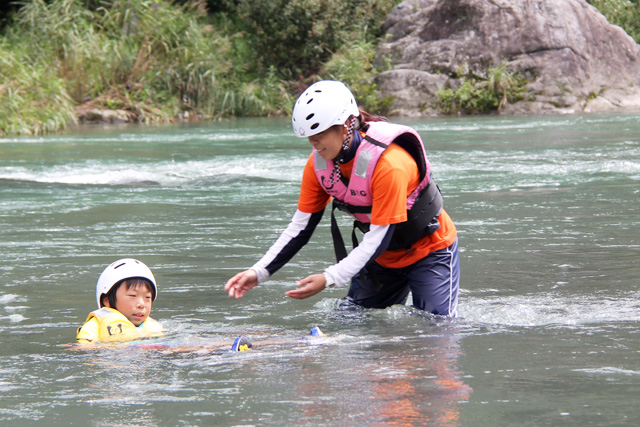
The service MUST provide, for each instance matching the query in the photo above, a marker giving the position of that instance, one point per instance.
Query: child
(124, 293)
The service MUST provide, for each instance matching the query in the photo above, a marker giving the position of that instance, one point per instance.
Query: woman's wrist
(329, 282)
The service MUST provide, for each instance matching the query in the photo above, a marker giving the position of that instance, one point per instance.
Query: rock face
(96, 115)
(574, 60)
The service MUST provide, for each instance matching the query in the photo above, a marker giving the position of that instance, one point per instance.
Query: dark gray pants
(433, 282)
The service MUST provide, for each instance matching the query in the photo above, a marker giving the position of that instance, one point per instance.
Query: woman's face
(329, 142)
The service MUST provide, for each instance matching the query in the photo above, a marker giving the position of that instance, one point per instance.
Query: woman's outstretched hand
(239, 284)
(307, 287)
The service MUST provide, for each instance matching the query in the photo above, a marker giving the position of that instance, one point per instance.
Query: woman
(379, 173)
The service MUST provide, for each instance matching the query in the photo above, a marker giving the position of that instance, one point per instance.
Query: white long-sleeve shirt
(297, 234)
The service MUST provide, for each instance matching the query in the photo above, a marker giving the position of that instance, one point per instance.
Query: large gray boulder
(574, 59)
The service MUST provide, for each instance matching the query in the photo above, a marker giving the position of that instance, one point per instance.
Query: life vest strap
(341, 250)
(350, 209)
(338, 241)
(422, 218)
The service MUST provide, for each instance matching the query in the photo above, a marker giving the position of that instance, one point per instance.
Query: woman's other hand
(307, 287)
(239, 284)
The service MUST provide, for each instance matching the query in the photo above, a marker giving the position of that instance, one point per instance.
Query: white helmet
(322, 105)
(123, 269)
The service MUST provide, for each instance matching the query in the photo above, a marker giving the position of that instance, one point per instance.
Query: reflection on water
(546, 208)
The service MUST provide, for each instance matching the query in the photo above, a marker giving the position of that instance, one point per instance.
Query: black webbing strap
(338, 242)
(341, 250)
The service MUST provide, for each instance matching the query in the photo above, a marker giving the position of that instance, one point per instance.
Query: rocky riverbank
(573, 59)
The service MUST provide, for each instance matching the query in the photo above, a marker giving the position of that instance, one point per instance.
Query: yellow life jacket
(109, 325)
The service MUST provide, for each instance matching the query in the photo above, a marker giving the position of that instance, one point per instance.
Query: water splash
(549, 309)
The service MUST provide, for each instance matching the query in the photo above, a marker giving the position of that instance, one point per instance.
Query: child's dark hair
(132, 282)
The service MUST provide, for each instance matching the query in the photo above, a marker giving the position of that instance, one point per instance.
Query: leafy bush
(477, 95)
(298, 36)
(624, 13)
(352, 65)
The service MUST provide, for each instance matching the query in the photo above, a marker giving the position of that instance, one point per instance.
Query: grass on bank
(151, 59)
(157, 61)
(163, 60)
(32, 101)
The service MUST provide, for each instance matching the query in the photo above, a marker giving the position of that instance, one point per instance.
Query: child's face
(134, 303)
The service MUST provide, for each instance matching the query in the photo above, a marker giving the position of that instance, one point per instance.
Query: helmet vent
(315, 126)
(119, 265)
(309, 101)
(310, 116)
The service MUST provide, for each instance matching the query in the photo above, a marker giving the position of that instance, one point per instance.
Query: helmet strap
(336, 174)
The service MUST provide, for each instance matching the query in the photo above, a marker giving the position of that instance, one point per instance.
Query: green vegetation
(31, 100)
(352, 65)
(298, 37)
(624, 13)
(160, 61)
(164, 60)
(483, 94)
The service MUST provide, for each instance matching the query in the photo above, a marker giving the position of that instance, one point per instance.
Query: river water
(548, 333)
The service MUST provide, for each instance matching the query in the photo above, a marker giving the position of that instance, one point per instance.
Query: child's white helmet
(125, 268)
(322, 105)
